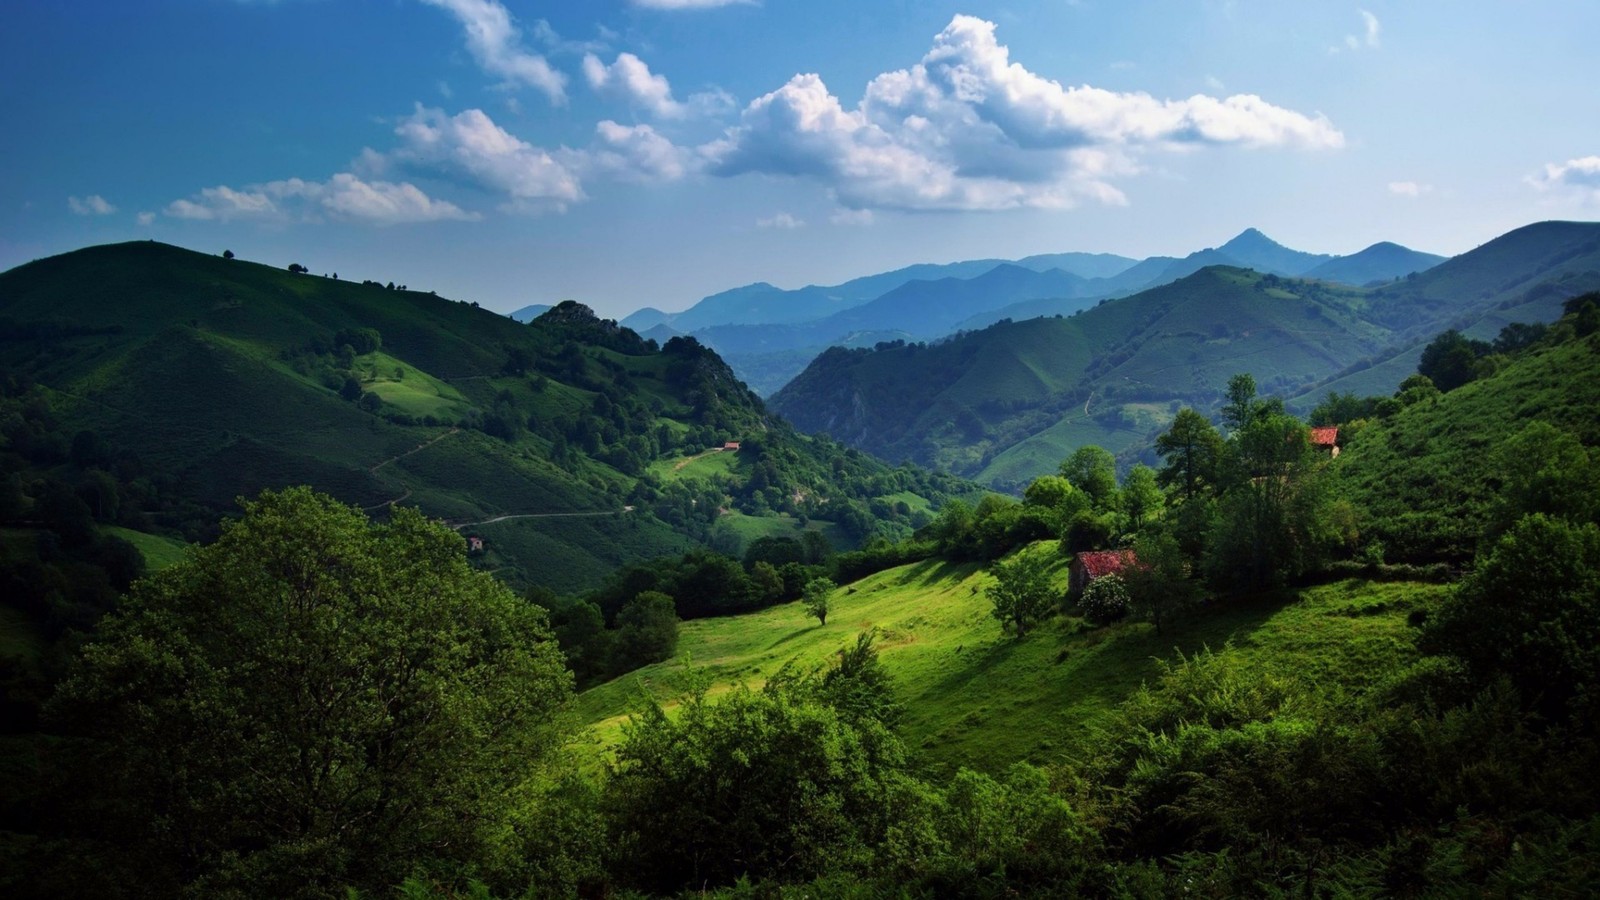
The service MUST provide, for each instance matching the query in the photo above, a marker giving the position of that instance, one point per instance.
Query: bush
(1105, 600)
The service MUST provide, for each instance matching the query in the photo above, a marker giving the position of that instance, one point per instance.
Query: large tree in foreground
(313, 701)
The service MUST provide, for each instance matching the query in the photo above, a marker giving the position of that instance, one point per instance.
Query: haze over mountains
(768, 334)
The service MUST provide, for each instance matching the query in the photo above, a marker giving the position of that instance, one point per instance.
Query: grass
(978, 698)
(158, 552)
(734, 532)
(701, 465)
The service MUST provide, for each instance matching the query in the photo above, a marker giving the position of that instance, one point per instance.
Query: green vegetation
(223, 377)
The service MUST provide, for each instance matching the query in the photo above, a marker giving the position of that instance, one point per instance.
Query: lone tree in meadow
(1022, 594)
(815, 596)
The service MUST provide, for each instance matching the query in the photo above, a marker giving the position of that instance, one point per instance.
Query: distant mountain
(1007, 403)
(1084, 265)
(642, 319)
(1383, 261)
(529, 313)
(1254, 250)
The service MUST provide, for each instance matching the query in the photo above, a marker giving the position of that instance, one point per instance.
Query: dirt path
(611, 512)
(701, 455)
(417, 449)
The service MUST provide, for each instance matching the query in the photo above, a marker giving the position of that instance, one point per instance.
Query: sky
(632, 153)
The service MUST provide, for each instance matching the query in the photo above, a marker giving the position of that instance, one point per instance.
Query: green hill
(1432, 478)
(1008, 403)
(214, 378)
(978, 698)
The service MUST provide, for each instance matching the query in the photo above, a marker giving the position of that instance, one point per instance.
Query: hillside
(978, 698)
(1008, 403)
(222, 377)
(1432, 478)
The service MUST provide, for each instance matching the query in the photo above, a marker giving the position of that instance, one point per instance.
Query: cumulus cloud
(782, 221)
(1409, 188)
(633, 153)
(92, 205)
(146, 218)
(631, 81)
(1579, 178)
(968, 129)
(496, 44)
(344, 197)
(689, 4)
(470, 147)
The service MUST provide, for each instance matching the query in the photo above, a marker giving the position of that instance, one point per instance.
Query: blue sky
(632, 153)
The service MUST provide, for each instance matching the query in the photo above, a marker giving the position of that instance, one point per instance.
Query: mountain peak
(1250, 238)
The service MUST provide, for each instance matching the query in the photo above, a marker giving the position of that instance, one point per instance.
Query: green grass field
(158, 552)
(976, 697)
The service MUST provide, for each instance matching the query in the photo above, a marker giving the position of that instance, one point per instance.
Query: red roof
(1106, 562)
(1326, 436)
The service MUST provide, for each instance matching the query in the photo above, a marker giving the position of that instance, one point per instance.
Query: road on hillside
(610, 512)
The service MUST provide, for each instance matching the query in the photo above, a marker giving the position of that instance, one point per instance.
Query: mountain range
(1008, 402)
(768, 334)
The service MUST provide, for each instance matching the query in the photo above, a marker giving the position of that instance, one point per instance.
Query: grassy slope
(977, 698)
(1426, 477)
(158, 552)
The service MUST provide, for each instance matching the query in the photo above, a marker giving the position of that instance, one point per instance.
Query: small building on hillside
(474, 544)
(1326, 438)
(732, 446)
(1088, 566)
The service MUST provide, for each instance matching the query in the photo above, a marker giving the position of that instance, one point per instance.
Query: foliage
(764, 784)
(313, 700)
(1105, 600)
(647, 631)
(1022, 594)
(1192, 449)
(1531, 610)
(816, 596)
(1159, 586)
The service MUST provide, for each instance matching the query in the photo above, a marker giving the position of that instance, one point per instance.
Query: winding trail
(417, 449)
(609, 512)
(701, 455)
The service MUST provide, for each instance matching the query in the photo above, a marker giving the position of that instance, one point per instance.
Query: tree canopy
(312, 701)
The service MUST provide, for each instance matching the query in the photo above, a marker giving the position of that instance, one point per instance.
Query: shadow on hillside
(935, 571)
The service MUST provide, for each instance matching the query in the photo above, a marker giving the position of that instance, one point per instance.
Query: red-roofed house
(731, 445)
(1326, 438)
(1086, 567)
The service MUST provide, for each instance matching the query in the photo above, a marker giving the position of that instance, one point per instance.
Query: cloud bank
(1578, 178)
(968, 129)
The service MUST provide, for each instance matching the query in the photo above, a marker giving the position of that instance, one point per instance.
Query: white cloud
(631, 81)
(546, 35)
(1372, 27)
(496, 44)
(782, 221)
(344, 197)
(689, 4)
(1578, 178)
(471, 147)
(851, 217)
(1409, 188)
(146, 218)
(92, 205)
(633, 153)
(1369, 39)
(968, 129)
